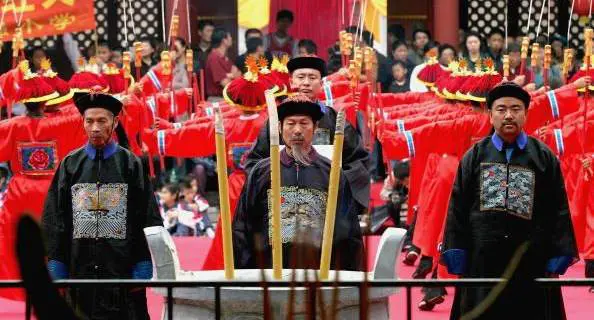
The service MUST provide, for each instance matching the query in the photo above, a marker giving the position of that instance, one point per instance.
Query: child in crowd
(400, 83)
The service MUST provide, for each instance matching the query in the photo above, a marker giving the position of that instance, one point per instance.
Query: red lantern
(582, 7)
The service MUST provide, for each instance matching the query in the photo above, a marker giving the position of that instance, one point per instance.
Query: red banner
(46, 17)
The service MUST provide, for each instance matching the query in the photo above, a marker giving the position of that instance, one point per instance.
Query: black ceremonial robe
(355, 159)
(496, 206)
(304, 193)
(101, 239)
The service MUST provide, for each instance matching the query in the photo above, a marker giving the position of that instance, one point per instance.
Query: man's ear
(116, 120)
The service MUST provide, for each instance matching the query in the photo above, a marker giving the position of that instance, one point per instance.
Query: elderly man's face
(307, 81)
(99, 125)
(297, 132)
(508, 115)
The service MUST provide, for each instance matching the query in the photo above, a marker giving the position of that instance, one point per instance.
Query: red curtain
(318, 20)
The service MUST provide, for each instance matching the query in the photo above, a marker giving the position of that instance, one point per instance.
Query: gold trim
(61, 99)
(42, 99)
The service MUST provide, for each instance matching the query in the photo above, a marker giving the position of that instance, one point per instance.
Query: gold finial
(166, 60)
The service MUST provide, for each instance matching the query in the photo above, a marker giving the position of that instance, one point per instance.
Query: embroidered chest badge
(99, 212)
(507, 188)
(302, 215)
(37, 158)
(238, 153)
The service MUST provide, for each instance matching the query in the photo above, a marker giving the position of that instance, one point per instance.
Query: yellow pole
(277, 246)
(332, 196)
(224, 195)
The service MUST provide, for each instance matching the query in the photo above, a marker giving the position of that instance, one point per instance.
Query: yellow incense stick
(332, 196)
(277, 246)
(224, 195)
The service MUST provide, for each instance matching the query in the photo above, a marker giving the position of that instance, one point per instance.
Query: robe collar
(288, 161)
(108, 151)
(521, 141)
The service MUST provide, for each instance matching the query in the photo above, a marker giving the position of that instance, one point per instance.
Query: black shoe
(433, 297)
(591, 290)
(424, 268)
(411, 256)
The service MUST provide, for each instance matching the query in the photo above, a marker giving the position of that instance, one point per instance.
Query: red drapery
(318, 20)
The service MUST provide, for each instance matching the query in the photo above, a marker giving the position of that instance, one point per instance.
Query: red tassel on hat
(431, 72)
(32, 88)
(247, 92)
(487, 81)
(114, 78)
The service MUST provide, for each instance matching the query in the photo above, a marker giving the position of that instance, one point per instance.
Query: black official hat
(299, 104)
(307, 62)
(508, 89)
(88, 100)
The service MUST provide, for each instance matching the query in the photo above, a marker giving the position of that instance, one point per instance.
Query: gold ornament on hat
(138, 54)
(189, 60)
(166, 61)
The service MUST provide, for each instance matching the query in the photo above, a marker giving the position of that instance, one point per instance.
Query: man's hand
(530, 87)
(582, 82)
(519, 80)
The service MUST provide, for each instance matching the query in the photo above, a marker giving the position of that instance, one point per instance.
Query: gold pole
(277, 246)
(224, 195)
(506, 66)
(332, 196)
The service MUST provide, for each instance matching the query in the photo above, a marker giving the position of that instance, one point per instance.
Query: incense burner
(247, 302)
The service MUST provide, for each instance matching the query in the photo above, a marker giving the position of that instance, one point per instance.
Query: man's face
(38, 55)
(99, 125)
(446, 57)
(307, 81)
(421, 39)
(147, 49)
(508, 116)
(206, 33)
(401, 53)
(283, 24)
(496, 42)
(514, 59)
(557, 47)
(116, 57)
(104, 54)
(298, 131)
(260, 51)
(303, 52)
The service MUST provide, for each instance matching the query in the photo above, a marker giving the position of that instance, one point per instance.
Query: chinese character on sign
(49, 3)
(61, 21)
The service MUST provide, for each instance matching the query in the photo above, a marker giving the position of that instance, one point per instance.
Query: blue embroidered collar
(521, 141)
(108, 150)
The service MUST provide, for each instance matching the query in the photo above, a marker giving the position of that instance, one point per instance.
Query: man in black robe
(509, 201)
(306, 78)
(95, 211)
(304, 192)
